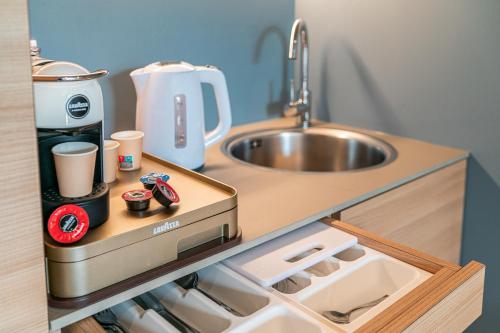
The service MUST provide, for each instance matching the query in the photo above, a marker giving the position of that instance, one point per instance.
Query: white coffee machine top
(66, 95)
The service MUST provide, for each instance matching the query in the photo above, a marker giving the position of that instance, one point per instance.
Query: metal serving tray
(135, 247)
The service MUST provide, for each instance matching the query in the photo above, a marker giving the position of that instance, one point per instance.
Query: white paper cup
(130, 150)
(110, 160)
(75, 165)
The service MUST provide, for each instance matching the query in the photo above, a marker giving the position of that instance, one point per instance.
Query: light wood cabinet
(23, 302)
(425, 214)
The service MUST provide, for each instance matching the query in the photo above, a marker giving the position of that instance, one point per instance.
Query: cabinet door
(425, 214)
(23, 297)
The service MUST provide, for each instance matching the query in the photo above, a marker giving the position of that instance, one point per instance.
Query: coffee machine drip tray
(131, 247)
(95, 204)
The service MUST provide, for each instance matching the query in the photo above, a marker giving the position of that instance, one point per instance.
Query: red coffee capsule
(164, 193)
(68, 224)
(137, 200)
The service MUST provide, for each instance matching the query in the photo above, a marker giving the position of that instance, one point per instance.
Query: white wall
(428, 69)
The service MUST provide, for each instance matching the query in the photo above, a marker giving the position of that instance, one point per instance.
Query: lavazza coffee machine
(68, 108)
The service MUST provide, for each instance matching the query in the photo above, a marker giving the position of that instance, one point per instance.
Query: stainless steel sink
(310, 150)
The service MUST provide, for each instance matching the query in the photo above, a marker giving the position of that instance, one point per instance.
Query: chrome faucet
(301, 106)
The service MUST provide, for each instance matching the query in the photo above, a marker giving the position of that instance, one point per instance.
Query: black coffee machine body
(68, 108)
(96, 204)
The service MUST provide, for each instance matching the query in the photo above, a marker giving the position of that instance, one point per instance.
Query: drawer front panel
(425, 214)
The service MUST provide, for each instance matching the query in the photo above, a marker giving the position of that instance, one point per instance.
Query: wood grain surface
(460, 303)
(425, 214)
(87, 325)
(23, 303)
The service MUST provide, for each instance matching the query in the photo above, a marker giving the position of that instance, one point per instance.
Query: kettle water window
(180, 120)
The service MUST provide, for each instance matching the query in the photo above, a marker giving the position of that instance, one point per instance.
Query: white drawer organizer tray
(319, 268)
(262, 311)
(297, 277)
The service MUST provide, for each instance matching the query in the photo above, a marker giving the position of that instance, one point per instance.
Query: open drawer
(333, 266)
(448, 301)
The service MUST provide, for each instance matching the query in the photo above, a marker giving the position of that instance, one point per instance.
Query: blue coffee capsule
(149, 180)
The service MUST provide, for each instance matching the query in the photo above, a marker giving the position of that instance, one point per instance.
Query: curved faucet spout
(294, 37)
(302, 105)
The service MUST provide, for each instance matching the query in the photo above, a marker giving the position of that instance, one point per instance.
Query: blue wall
(246, 39)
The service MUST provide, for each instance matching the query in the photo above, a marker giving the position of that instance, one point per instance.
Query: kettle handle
(214, 77)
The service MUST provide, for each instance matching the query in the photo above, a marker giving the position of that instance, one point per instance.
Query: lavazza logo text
(78, 105)
(165, 227)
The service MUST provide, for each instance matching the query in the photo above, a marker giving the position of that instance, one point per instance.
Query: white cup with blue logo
(130, 149)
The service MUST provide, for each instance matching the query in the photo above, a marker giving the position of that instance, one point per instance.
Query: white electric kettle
(170, 110)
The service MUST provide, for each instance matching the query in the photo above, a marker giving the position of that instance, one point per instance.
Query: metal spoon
(190, 281)
(107, 319)
(149, 301)
(345, 317)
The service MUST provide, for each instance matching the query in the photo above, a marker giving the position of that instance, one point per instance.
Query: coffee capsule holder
(135, 247)
(319, 268)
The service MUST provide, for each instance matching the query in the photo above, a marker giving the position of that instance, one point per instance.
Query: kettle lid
(169, 67)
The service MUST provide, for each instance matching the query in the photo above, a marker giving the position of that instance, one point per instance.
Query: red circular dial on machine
(68, 224)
